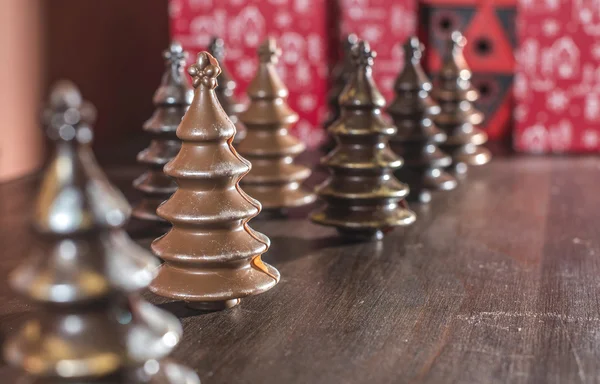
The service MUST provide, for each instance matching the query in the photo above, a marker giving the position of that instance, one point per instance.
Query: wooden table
(497, 282)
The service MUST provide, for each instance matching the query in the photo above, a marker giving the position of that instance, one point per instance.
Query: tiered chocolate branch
(212, 258)
(363, 199)
(418, 137)
(226, 88)
(455, 95)
(172, 99)
(340, 74)
(274, 180)
(84, 273)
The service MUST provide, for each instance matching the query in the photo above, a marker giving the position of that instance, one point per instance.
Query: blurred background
(535, 63)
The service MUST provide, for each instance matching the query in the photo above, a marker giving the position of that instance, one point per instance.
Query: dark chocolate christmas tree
(275, 180)
(454, 93)
(212, 258)
(226, 88)
(84, 273)
(362, 198)
(418, 137)
(172, 99)
(340, 74)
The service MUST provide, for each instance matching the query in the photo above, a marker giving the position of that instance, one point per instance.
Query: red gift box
(489, 28)
(300, 27)
(557, 85)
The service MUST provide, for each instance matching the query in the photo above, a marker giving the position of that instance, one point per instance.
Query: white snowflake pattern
(552, 4)
(283, 19)
(550, 27)
(535, 138)
(293, 46)
(592, 107)
(557, 100)
(372, 33)
(306, 102)
(249, 26)
(590, 139)
(303, 76)
(561, 136)
(596, 51)
(302, 5)
(245, 69)
(565, 54)
(314, 47)
(521, 87)
(355, 8)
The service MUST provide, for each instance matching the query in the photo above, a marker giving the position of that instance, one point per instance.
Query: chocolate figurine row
(202, 187)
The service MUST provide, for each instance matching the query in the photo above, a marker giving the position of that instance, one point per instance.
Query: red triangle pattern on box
(489, 29)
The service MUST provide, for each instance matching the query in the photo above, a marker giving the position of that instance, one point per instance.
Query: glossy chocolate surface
(171, 99)
(458, 117)
(275, 180)
(418, 137)
(83, 272)
(362, 198)
(226, 89)
(212, 258)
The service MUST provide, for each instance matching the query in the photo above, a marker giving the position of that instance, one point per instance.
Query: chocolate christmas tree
(455, 95)
(226, 88)
(274, 180)
(363, 199)
(172, 99)
(339, 76)
(418, 137)
(212, 257)
(84, 273)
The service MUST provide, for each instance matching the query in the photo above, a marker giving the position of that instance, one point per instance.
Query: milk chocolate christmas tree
(275, 180)
(212, 258)
(226, 88)
(84, 273)
(418, 137)
(362, 198)
(455, 95)
(172, 99)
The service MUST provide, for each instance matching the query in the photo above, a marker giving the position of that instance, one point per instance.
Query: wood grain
(497, 282)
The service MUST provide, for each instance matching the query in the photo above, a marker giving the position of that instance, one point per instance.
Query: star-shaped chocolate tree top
(457, 41)
(363, 55)
(413, 50)
(68, 116)
(350, 41)
(175, 56)
(217, 48)
(205, 70)
(269, 52)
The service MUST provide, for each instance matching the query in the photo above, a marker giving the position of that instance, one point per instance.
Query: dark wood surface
(497, 282)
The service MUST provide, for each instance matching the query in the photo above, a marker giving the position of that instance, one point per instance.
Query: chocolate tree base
(213, 306)
(221, 285)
